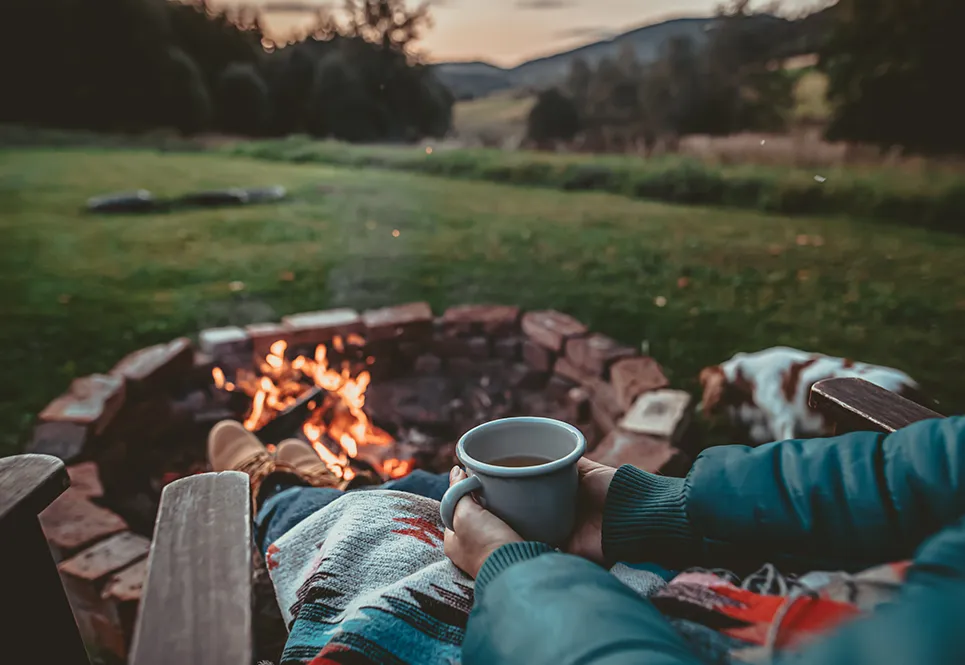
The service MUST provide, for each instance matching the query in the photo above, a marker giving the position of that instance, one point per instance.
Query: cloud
(585, 33)
(291, 7)
(543, 4)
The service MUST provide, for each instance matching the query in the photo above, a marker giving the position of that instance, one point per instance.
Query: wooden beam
(196, 608)
(856, 405)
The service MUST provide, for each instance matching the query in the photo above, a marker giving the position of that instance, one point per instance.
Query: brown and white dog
(765, 394)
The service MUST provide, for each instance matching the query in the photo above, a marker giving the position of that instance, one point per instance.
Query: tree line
(135, 65)
(891, 67)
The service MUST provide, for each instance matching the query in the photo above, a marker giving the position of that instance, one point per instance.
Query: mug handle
(453, 495)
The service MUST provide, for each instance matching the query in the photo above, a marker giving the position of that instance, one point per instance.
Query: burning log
(331, 411)
(291, 419)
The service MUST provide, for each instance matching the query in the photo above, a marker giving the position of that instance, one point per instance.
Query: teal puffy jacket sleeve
(842, 503)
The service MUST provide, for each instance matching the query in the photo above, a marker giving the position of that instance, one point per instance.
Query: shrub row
(937, 203)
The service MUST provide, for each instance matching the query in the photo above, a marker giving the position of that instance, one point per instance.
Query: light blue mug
(523, 470)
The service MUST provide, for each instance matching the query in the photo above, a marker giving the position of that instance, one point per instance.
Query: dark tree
(894, 68)
(186, 101)
(554, 116)
(244, 105)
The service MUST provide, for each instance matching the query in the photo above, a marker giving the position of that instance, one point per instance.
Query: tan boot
(230, 444)
(300, 455)
(233, 448)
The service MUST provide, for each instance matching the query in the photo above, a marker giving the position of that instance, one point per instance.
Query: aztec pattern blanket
(365, 580)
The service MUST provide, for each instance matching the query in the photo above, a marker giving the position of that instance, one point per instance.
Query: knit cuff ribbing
(645, 517)
(504, 557)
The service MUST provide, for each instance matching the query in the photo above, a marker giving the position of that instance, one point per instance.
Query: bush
(339, 106)
(554, 116)
(788, 191)
(186, 101)
(587, 177)
(244, 106)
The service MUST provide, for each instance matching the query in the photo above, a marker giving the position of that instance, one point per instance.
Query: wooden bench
(196, 608)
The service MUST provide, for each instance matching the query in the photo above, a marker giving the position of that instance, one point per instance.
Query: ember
(337, 426)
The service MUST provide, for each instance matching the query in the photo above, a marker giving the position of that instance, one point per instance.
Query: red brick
(660, 413)
(85, 480)
(319, 327)
(63, 440)
(578, 404)
(564, 367)
(92, 402)
(263, 335)
(488, 319)
(632, 377)
(649, 453)
(399, 321)
(596, 353)
(123, 593)
(538, 357)
(557, 387)
(155, 366)
(551, 328)
(107, 635)
(506, 348)
(127, 585)
(449, 346)
(427, 364)
(479, 348)
(524, 377)
(106, 557)
(72, 522)
(224, 341)
(604, 406)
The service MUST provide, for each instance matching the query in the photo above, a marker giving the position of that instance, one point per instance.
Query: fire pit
(376, 395)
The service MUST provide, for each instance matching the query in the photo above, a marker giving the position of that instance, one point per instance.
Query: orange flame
(338, 417)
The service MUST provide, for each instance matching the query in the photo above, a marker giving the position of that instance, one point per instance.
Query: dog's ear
(713, 380)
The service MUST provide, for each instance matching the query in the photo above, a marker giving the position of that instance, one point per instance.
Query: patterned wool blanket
(365, 580)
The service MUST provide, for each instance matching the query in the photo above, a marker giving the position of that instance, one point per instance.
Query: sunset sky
(507, 32)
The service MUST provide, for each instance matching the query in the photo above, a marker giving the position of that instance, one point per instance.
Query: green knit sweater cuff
(645, 518)
(504, 557)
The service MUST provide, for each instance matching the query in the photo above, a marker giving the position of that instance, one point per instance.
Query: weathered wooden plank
(858, 405)
(196, 607)
(28, 484)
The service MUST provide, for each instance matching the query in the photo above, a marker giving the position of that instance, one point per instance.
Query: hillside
(476, 79)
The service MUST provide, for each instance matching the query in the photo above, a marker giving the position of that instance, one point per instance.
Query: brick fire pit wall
(155, 400)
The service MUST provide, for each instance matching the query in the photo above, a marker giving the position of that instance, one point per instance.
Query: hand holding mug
(523, 471)
(587, 538)
(478, 533)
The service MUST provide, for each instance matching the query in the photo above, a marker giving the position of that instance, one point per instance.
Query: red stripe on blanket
(423, 530)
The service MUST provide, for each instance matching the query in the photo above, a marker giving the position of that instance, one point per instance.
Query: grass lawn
(77, 292)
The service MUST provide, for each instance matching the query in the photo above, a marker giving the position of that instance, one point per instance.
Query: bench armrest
(28, 575)
(857, 405)
(28, 484)
(196, 607)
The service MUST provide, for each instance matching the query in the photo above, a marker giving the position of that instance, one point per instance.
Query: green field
(77, 291)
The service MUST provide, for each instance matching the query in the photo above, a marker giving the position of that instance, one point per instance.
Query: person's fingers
(466, 510)
(456, 474)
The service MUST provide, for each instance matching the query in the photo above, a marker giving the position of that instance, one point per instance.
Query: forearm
(923, 626)
(845, 502)
(560, 609)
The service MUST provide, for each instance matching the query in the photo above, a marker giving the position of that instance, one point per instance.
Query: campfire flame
(336, 416)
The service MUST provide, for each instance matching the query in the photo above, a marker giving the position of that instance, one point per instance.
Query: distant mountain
(477, 79)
